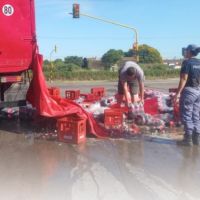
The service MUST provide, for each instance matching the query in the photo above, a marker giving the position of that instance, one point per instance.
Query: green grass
(151, 72)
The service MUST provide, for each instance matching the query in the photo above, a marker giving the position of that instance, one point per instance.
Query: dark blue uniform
(190, 96)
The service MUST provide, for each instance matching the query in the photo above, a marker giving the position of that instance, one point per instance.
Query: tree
(111, 57)
(58, 62)
(73, 59)
(147, 54)
(46, 64)
(129, 53)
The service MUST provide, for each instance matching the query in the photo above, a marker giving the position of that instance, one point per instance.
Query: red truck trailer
(17, 43)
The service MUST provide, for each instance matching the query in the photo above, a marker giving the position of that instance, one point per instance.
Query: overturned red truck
(17, 44)
(18, 54)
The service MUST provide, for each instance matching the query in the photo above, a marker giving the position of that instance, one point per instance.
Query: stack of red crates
(113, 118)
(72, 94)
(98, 91)
(71, 130)
(54, 91)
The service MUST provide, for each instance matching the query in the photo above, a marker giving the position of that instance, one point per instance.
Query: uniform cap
(192, 47)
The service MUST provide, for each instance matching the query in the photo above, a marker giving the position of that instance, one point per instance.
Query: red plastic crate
(113, 118)
(72, 94)
(98, 91)
(71, 130)
(54, 91)
(90, 97)
(151, 106)
(123, 109)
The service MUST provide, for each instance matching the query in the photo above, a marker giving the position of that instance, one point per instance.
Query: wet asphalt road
(111, 86)
(120, 169)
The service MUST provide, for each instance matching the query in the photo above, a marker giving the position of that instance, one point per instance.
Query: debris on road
(154, 118)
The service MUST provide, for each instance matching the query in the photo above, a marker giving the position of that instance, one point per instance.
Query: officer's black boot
(195, 138)
(187, 141)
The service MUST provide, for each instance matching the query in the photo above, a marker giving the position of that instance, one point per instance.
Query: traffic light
(76, 10)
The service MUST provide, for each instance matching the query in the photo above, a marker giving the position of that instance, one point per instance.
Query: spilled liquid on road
(141, 168)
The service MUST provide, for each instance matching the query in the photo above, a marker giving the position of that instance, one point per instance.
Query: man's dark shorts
(132, 85)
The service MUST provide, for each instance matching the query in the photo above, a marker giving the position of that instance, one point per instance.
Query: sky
(167, 25)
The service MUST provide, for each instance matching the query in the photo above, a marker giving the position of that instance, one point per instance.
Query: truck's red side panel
(17, 35)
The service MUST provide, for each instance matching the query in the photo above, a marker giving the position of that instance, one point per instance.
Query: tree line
(147, 55)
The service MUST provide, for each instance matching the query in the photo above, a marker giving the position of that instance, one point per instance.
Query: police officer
(189, 92)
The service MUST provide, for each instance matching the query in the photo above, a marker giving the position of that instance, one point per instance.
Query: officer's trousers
(190, 109)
